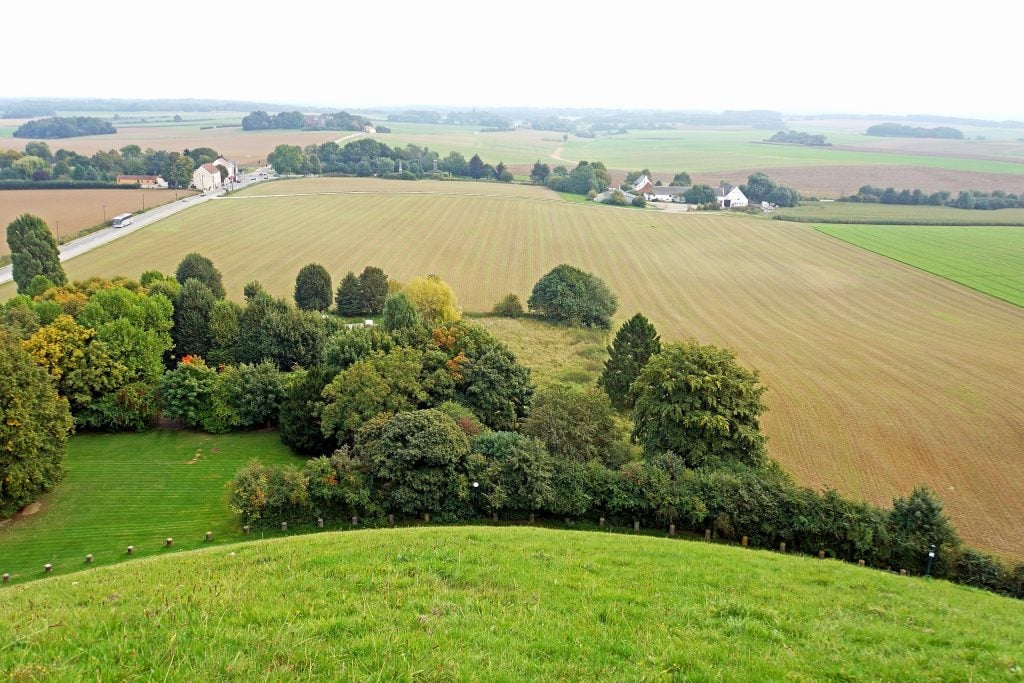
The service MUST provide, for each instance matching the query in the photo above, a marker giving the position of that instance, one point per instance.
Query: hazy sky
(882, 57)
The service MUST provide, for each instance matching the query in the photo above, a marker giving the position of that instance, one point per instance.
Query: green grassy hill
(475, 603)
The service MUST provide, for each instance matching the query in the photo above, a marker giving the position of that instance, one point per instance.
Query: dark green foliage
(467, 420)
(917, 524)
(540, 173)
(514, 474)
(634, 344)
(192, 336)
(299, 414)
(400, 314)
(313, 288)
(586, 177)
(338, 486)
(682, 179)
(573, 424)
(64, 127)
(260, 308)
(699, 403)
(197, 266)
(267, 496)
(349, 298)
(33, 252)
(897, 130)
(374, 284)
(34, 426)
(187, 393)
(639, 201)
(291, 338)
(496, 387)
(224, 332)
(38, 285)
(699, 194)
(573, 296)
(418, 461)
(760, 188)
(345, 347)
(509, 307)
(250, 396)
(793, 137)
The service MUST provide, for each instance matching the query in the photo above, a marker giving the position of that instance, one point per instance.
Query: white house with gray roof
(729, 196)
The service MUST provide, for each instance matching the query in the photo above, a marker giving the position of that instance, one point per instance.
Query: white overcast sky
(890, 57)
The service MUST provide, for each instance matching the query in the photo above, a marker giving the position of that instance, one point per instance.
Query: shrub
(299, 414)
(338, 488)
(572, 424)
(515, 473)
(266, 496)
(509, 307)
(187, 392)
(434, 300)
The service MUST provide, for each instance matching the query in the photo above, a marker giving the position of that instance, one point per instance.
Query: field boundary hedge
(64, 185)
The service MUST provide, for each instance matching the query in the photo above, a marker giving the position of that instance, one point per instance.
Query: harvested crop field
(880, 376)
(76, 209)
(245, 147)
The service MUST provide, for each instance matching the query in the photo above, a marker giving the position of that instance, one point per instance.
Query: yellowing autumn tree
(434, 299)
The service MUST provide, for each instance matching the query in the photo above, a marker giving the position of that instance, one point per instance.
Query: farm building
(666, 193)
(230, 166)
(149, 182)
(643, 185)
(206, 177)
(729, 196)
(607, 194)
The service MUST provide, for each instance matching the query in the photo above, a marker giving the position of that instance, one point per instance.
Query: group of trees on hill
(793, 137)
(368, 157)
(586, 178)
(897, 130)
(37, 163)
(64, 127)
(427, 413)
(760, 187)
(296, 120)
(965, 199)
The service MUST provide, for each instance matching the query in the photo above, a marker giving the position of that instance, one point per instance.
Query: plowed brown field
(880, 376)
(73, 210)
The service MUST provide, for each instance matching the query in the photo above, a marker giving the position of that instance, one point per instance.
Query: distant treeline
(64, 127)
(793, 137)
(966, 199)
(896, 130)
(296, 120)
(485, 119)
(919, 118)
(27, 107)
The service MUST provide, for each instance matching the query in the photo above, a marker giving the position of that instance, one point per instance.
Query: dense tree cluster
(295, 120)
(761, 188)
(896, 130)
(64, 127)
(965, 199)
(793, 137)
(37, 163)
(587, 177)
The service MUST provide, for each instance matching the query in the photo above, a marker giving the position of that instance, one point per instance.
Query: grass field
(134, 489)
(988, 259)
(894, 214)
(72, 210)
(554, 353)
(880, 376)
(509, 604)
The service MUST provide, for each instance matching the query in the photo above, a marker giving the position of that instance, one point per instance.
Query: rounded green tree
(573, 296)
(349, 298)
(33, 252)
(699, 403)
(313, 288)
(201, 268)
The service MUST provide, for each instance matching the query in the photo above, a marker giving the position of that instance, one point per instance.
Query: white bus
(121, 220)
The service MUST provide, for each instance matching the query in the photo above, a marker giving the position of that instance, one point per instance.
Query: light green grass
(987, 259)
(895, 214)
(134, 489)
(509, 604)
(7, 131)
(554, 353)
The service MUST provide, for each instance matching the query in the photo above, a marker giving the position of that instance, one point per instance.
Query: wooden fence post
(744, 541)
(169, 542)
(600, 522)
(671, 529)
(707, 534)
(319, 522)
(131, 549)
(636, 525)
(47, 567)
(782, 546)
(245, 529)
(284, 526)
(209, 535)
(88, 558)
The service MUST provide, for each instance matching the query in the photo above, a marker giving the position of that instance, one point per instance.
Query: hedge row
(64, 185)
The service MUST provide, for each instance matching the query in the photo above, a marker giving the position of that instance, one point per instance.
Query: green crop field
(503, 604)
(895, 214)
(134, 489)
(988, 259)
(880, 376)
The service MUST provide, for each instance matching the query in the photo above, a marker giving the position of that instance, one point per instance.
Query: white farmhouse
(729, 196)
(643, 185)
(666, 193)
(230, 166)
(206, 177)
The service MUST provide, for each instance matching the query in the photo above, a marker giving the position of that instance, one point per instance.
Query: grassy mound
(502, 604)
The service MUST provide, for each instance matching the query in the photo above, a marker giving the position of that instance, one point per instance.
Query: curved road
(100, 237)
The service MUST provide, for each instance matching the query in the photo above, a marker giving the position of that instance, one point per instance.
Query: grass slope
(134, 489)
(894, 214)
(988, 259)
(880, 376)
(476, 603)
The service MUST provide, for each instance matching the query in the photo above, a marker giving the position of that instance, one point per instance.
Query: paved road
(100, 237)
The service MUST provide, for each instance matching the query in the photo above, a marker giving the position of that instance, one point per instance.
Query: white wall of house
(733, 199)
(204, 180)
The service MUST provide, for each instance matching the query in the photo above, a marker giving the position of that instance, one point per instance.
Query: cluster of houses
(210, 176)
(727, 195)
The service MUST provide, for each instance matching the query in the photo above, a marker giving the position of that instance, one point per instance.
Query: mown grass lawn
(986, 259)
(502, 604)
(134, 489)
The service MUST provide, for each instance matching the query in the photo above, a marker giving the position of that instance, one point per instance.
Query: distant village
(727, 195)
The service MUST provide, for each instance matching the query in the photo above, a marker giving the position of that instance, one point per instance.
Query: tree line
(793, 137)
(296, 120)
(965, 199)
(64, 127)
(37, 163)
(896, 130)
